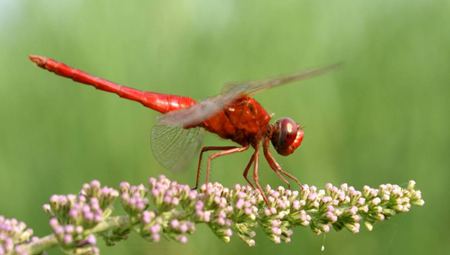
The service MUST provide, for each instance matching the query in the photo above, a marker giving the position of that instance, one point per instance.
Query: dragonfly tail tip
(40, 61)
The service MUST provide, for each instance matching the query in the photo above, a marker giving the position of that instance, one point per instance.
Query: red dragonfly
(232, 115)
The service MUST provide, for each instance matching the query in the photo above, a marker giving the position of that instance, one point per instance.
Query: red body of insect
(232, 115)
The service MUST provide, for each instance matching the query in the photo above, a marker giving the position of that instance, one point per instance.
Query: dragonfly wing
(207, 108)
(258, 85)
(175, 147)
(203, 110)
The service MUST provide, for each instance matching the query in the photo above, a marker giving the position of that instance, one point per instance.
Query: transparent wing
(255, 86)
(207, 108)
(175, 147)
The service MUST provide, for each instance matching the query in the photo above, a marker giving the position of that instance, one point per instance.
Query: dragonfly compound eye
(287, 136)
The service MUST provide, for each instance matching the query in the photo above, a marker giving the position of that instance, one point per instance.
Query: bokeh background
(381, 118)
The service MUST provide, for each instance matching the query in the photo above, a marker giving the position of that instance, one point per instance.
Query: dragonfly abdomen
(156, 101)
(164, 103)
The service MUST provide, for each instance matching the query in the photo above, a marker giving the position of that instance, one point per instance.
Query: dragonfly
(233, 114)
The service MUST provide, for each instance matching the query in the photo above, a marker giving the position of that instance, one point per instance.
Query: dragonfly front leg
(273, 164)
(224, 150)
(276, 167)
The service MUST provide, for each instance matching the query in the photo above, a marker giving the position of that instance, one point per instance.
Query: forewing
(207, 108)
(175, 147)
(251, 87)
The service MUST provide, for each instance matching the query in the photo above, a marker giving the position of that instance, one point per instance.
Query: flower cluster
(73, 216)
(165, 208)
(242, 208)
(12, 234)
(133, 198)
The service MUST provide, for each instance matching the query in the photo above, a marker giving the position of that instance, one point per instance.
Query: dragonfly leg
(256, 175)
(204, 149)
(247, 168)
(224, 150)
(273, 164)
(220, 154)
(276, 167)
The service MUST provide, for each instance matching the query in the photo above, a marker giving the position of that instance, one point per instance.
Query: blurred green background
(382, 118)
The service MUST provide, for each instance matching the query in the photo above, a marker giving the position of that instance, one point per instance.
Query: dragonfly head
(286, 136)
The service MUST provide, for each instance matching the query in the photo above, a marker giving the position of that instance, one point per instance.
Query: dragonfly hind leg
(247, 168)
(223, 150)
(255, 158)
